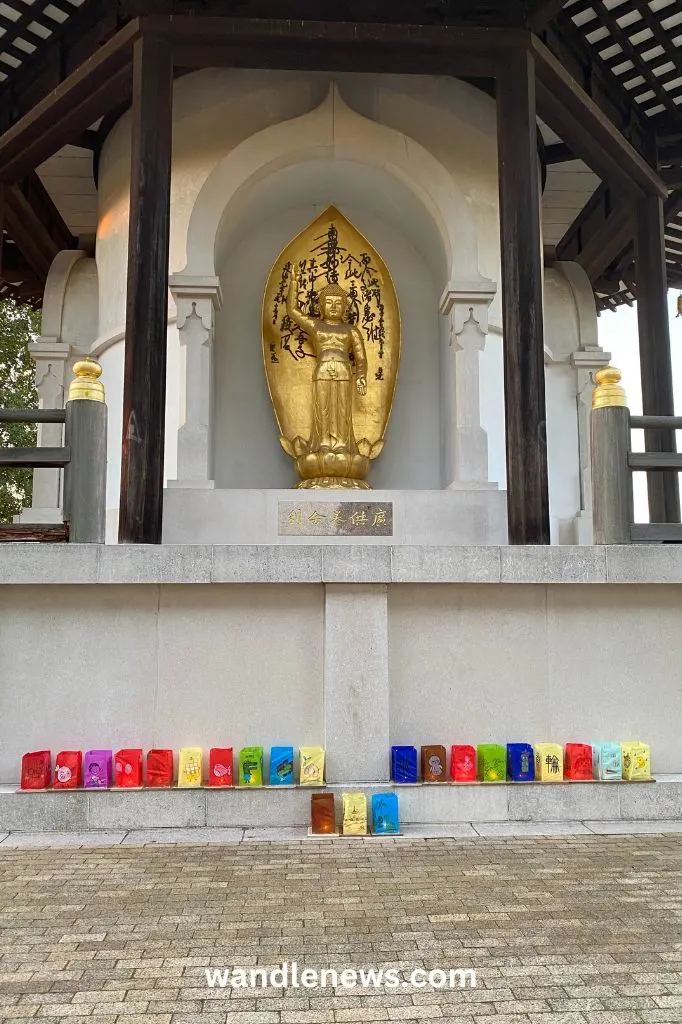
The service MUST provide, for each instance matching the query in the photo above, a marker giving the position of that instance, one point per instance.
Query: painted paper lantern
(281, 766)
(36, 770)
(404, 764)
(607, 762)
(385, 818)
(322, 814)
(190, 767)
(160, 768)
(520, 762)
(354, 814)
(312, 766)
(636, 760)
(128, 768)
(462, 763)
(492, 762)
(68, 769)
(549, 762)
(434, 763)
(578, 762)
(251, 766)
(98, 769)
(220, 766)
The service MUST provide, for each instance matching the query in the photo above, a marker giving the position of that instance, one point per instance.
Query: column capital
(466, 301)
(201, 295)
(592, 358)
(46, 347)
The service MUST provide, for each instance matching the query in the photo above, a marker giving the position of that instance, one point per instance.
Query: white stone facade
(350, 648)
(256, 156)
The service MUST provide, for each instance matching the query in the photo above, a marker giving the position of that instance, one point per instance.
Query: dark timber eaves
(627, 55)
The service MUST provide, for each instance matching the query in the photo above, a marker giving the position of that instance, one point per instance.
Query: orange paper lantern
(323, 814)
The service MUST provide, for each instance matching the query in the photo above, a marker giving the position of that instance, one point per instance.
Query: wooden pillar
(521, 245)
(654, 352)
(3, 206)
(144, 393)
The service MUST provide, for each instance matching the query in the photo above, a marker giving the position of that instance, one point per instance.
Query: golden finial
(608, 391)
(86, 383)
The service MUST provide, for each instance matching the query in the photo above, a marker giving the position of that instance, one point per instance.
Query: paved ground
(560, 930)
(207, 835)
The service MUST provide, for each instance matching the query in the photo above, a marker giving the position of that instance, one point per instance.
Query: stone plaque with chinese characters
(329, 519)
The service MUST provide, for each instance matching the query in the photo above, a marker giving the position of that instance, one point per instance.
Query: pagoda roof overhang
(609, 86)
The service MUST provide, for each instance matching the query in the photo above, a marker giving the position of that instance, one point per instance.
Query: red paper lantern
(128, 768)
(160, 768)
(68, 769)
(220, 766)
(36, 770)
(578, 762)
(463, 764)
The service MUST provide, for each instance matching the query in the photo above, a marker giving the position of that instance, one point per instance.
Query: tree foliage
(18, 325)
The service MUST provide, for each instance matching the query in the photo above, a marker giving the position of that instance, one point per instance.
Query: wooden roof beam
(584, 63)
(566, 107)
(71, 43)
(69, 110)
(558, 153)
(35, 225)
(539, 13)
(632, 52)
(465, 51)
(600, 233)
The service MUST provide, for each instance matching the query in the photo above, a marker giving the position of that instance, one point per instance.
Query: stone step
(286, 807)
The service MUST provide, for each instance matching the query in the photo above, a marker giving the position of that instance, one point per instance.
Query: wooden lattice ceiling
(639, 43)
(626, 53)
(26, 26)
(637, 46)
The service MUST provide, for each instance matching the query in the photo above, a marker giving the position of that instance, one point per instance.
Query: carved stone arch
(442, 227)
(334, 130)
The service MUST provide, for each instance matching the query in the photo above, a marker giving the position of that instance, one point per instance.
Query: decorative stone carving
(465, 442)
(197, 300)
(585, 362)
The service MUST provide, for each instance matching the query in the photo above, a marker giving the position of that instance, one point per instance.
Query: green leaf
(18, 325)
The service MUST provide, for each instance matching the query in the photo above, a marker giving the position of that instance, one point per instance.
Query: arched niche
(256, 199)
(254, 231)
(335, 132)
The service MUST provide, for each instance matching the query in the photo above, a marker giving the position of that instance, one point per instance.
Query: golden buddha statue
(334, 341)
(331, 354)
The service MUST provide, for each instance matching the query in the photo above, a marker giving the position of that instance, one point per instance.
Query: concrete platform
(87, 564)
(115, 811)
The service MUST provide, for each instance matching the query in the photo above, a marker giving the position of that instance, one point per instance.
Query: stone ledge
(28, 563)
(115, 810)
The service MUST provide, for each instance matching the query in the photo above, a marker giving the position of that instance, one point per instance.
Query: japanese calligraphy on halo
(330, 250)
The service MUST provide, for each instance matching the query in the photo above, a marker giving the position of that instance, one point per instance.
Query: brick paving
(563, 930)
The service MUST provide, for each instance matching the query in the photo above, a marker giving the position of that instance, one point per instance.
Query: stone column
(585, 362)
(51, 357)
(465, 442)
(197, 300)
(356, 688)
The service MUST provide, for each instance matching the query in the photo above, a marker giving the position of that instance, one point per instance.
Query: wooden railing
(83, 457)
(613, 463)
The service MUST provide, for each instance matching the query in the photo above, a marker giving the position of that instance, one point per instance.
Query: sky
(618, 335)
